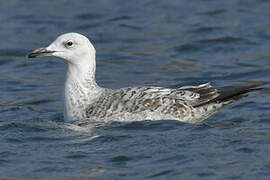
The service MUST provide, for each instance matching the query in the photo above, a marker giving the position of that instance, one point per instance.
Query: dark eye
(69, 43)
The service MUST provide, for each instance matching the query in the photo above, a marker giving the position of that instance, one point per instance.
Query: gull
(84, 99)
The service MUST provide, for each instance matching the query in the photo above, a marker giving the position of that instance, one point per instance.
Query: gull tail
(230, 94)
(211, 99)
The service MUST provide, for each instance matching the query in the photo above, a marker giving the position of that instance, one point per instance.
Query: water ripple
(89, 16)
(221, 40)
(163, 43)
(214, 12)
(20, 126)
(12, 53)
(121, 18)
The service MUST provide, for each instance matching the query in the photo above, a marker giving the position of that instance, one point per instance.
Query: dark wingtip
(237, 92)
(233, 93)
(31, 55)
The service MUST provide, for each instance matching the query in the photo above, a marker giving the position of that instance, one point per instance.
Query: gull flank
(85, 100)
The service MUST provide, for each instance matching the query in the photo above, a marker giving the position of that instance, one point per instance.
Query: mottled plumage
(85, 100)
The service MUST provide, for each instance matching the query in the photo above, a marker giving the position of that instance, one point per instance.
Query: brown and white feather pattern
(154, 103)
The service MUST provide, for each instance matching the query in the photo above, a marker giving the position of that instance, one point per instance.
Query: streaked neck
(81, 73)
(80, 89)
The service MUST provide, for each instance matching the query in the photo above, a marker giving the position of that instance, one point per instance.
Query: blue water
(163, 43)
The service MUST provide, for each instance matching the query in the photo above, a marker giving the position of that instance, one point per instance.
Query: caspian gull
(85, 100)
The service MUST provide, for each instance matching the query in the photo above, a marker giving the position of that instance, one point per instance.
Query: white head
(72, 47)
(79, 54)
(76, 50)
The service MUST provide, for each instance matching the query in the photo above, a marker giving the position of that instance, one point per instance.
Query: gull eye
(69, 43)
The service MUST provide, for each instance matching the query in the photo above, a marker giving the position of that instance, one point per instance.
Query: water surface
(162, 43)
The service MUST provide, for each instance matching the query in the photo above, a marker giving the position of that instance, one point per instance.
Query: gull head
(74, 48)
